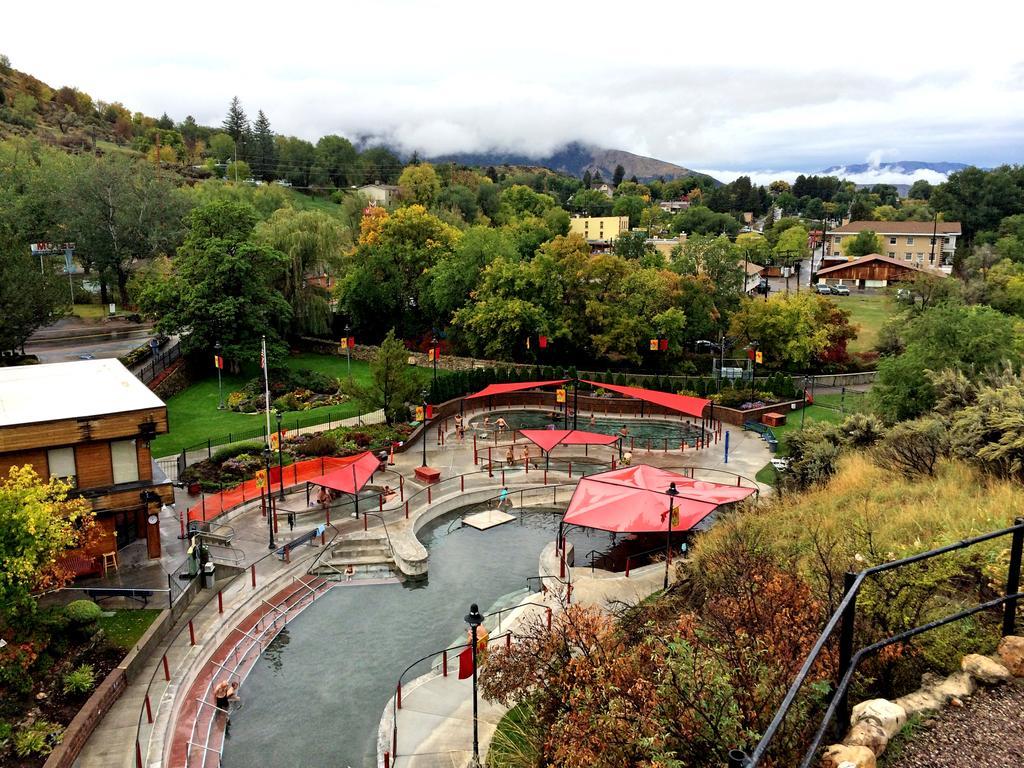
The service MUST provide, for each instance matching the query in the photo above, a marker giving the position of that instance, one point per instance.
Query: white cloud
(683, 83)
(885, 175)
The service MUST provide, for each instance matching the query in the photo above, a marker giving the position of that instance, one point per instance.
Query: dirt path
(986, 732)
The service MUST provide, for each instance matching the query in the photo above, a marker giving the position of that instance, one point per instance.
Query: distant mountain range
(907, 167)
(576, 159)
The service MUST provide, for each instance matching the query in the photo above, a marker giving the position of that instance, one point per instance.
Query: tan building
(380, 194)
(664, 245)
(873, 271)
(89, 422)
(599, 228)
(907, 241)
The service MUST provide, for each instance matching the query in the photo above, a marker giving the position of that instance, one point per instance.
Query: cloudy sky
(774, 87)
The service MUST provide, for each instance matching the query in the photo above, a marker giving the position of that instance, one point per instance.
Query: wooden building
(89, 422)
(873, 271)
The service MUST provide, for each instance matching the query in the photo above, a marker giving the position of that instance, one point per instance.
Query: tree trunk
(122, 286)
(104, 297)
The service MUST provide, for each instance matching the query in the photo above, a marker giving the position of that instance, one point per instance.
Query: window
(61, 463)
(838, 239)
(892, 241)
(910, 241)
(891, 254)
(908, 255)
(125, 461)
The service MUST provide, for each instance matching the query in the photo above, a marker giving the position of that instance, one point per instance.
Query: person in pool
(593, 420)
(624, 431)
(501, 424)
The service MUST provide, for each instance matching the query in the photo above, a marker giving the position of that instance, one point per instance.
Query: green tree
(634, 246)
(263, 153)
(311, 241)
(221, 147)
(629, 205)
(591, 202)
(618, 176)
(295, 158)
(455, 275)
(393, 384)
(420, 184)
(920, 190)
(236, 124)
(222, 287)
(701, 220)
(238, 170)
(793, 330)
(864, 243)
(38, 523)
(337, 156)
(379, 164)
(28, 299)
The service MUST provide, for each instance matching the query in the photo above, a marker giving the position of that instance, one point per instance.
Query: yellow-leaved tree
(38, 523)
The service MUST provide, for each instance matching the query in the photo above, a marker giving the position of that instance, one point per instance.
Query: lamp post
(803, 410)
(270, 513)
(280, 457)
(220, 385)
(565, 404)
(474, 619)
(753, 368)
(348, 350)
(672, 493)
(433, 347)
(423, 434)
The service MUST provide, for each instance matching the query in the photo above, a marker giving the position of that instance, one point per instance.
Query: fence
(844, 618)
(158, 364)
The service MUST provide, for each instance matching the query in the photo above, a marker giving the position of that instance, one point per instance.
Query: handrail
(383, 522)
(845, 613)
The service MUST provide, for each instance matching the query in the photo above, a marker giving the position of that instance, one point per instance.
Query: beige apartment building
(908, 241)
(601, 228)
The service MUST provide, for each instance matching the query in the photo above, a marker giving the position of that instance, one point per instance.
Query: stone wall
(88, 717)
(738, 417)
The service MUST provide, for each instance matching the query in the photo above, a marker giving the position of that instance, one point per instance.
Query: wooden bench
(774, 419)
(428, 475)
(80, 565)
(101, 593)
(284, 552)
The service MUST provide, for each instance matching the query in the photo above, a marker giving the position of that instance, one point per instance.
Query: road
(69, 340)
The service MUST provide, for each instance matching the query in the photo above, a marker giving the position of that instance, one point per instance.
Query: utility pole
(935, 231)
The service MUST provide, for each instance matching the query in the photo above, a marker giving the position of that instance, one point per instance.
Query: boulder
(959, 685)
(867, 733)
(885, 713)
(843, 756)
(984, 669)
(1011, 653)
(924, 700)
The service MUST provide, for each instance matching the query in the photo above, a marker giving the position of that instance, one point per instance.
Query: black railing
(844, 616)
(158, 363)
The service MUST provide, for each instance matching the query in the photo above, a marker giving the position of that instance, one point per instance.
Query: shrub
(812, 455)
(39, 738)
(231, 451)
(5, 733)
(236, 399)
(318, 445)
(287, 402)
(913, 447)
(862, 430)
(5, 64)
(82, 611)
(80, 680)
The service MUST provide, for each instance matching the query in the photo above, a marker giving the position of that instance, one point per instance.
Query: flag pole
(266, 384)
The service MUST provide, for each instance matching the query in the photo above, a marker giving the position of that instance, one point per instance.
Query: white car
(822, 289)
(781, 464)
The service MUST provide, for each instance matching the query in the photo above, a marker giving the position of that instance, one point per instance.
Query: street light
(433, 346)
(803, 410)
(474, 619)
(220, 385)
(270, 514)
(280, 456)
(672, 493)
(753, 368)
(348, 349)
(423, 433)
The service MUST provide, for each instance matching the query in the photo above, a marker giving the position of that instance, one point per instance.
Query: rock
(41, 696)
(955, 702)
(984, 669)
(959, 685)
(867, 733)
(843, 756)
(924, 700)
(1011, 652)
(885, 713)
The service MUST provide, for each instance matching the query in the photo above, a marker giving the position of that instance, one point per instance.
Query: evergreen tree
(263, 150)
(236, 125)
(165, 123)
(620, 174)
(415, 159)
(492, 174)
(597, 178)
(634, 179)
(587, 180)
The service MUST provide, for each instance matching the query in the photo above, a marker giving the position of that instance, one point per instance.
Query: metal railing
(844, 617)
(158, 363)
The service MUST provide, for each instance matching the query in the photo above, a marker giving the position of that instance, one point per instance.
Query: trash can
(209, 576)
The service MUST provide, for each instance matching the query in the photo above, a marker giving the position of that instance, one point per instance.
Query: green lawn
(304, 202)
(90, 311)
(868, 312)
(194, 417)
(124, 628)
(513, 744)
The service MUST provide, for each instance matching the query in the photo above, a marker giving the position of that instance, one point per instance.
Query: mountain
(575, 159)
(906, 167)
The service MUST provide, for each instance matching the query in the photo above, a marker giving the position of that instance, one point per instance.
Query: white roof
(35, 393)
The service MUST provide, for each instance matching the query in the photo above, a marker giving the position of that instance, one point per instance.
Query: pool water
(639, 429)
(316, 695)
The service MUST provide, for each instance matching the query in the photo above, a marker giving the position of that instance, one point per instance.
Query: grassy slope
(814, 413)
(194, 416)
(868, 312)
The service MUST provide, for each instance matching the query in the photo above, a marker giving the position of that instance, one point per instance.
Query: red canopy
(634, 500)
(691, 406)
(549, 438)
(500, 389)
(351, 478)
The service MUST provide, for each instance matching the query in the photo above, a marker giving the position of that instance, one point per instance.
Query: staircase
(367, 552)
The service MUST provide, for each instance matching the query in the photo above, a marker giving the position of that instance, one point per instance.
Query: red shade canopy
(691, 406)
(634, 500)
(549, 438)
(351, 478)
(500, 389)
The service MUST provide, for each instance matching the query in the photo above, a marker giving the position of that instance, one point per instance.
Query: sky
(769, 88)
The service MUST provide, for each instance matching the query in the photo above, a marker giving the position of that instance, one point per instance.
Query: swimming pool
(316, 695)
(639, 429)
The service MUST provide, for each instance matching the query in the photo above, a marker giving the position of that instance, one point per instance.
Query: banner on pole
(218, 361)
(560, 395)
(261, 478)
(759, 358)
(542, 342)
(654, 345)
(419, 413)
(663, 345)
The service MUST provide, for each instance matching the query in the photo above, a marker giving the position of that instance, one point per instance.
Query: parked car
(840, 290)
(902, 294)
(822, 289)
